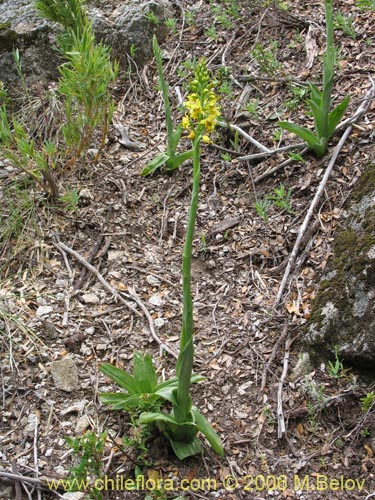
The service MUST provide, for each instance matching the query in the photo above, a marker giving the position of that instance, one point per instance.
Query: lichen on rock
(343, 313)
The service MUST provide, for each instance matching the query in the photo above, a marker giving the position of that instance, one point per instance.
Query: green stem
(185, 360)
(328, 66)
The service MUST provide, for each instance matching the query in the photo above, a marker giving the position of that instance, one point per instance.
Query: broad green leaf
(316, 94)
(208, 431)
(320, 119)
(120, 401)
(184, 450)
(174, 140)
(165, 389)
(185, 361)
(302, 132)
(144, 373)
(156, 163)
(156, 416)
(173, 163)
(120, 377)
(336, 115)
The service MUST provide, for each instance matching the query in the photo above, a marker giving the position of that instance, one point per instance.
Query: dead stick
(24, 479)
(281, 428)
(94, 251)
(151, 323)
(310, 212)
(17, 485)
(272, 357)
(94, 271)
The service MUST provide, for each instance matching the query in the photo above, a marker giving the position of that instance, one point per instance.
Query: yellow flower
(191, 135)
(206, 139)
(185, 122)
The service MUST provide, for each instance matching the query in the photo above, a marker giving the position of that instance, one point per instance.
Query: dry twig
(151, 323)
(93, 270)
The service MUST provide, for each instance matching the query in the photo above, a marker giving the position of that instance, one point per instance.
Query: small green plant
(203, 241)
(137, 438)
(365, 432)
(345, 24)
(266, 58)
(211, 32)
(224, 21)
(170, 159)
(268, 414)
(226, 157)
(171, 24)
(82, 89)
(190, 17)
(132, 50)
(298, 94)
(368, 401)
(89, 450)
(325, 121)
(152, 18)
(262, 208)
(366, 5)
(252, 108)
(296, 157)
(281, 198)
(336, 369)
(70, 199)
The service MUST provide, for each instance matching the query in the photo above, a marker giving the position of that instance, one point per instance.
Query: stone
(152, 280)
(156, 300)
(82, 424)
(132, 24)
(302, 368)
(75, 495)
(159, 322)
(343, 312)
(120, 25)
(90, 298)
(44, 311)
(65, 374)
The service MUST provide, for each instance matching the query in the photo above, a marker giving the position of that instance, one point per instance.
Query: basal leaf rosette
(201, 106)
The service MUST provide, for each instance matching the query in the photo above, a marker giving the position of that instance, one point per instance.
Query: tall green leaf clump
(69, 14)
(83, 98)
(170, 160)
(325, 121)
(85, 76)
(182, 424)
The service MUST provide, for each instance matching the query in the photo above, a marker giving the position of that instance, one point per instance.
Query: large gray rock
(343, 313)
(21, 28)
(121, 25)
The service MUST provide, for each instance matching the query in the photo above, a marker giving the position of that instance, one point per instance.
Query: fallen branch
(151, 323)
(310, 212)
(245, 135)
(271, 358)
(281, 427)
(24, 479)
(94, 251)
(271, 152)
(278, 167)
(93, 270)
